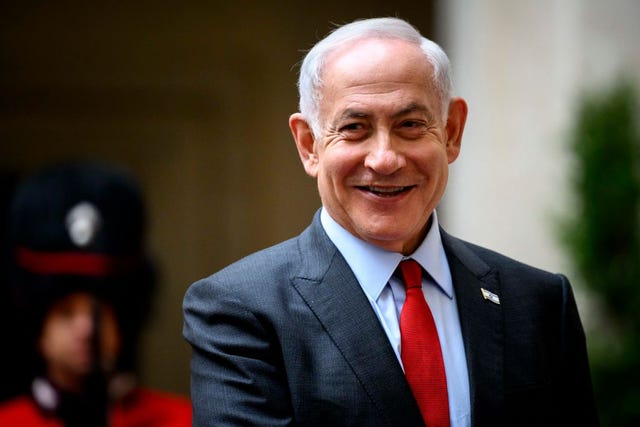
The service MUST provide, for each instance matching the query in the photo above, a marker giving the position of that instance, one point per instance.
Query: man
(83, 284)
(319, 330)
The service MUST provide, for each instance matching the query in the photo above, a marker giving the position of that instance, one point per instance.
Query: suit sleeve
(576, 399)
(237, 374)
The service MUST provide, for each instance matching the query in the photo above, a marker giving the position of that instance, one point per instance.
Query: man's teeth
(386, 190)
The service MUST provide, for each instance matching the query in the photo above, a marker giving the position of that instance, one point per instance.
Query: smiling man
(381, 157)
(374, 316)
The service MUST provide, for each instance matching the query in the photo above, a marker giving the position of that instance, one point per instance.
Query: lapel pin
(490, 296)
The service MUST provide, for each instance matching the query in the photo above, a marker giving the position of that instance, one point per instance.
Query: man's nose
(86, 323)
(384, 156)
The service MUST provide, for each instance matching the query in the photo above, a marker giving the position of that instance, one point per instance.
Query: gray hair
(310, 79)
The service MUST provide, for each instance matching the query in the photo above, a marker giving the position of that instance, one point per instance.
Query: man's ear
(305, 143)
(455, 126)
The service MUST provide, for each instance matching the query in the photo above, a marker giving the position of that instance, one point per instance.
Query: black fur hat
(80, 227)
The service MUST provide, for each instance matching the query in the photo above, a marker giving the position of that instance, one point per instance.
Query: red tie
(421, 354)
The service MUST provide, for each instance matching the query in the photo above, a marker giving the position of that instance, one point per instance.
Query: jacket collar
(328, 286)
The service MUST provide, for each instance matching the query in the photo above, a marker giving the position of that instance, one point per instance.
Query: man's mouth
(385, 191)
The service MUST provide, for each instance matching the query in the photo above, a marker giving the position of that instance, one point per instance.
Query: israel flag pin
(490, 296)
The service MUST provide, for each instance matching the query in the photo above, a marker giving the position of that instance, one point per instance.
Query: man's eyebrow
(351, 113)
(412, 108)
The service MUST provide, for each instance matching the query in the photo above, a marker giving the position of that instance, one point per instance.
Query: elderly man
(374, 316)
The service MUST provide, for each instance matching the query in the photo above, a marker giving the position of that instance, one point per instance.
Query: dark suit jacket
(286, 336)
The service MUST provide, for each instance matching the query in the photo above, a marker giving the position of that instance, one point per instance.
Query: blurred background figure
(82, 285)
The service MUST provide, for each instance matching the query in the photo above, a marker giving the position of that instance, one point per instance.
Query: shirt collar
(373, 266)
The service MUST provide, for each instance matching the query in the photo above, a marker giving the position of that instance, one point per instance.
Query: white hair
(310, 79)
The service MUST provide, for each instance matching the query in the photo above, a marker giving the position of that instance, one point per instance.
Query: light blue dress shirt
(374, 268)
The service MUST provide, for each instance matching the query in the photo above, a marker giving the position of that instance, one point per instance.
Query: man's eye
(354, 131)
(352, 127)
(410, 124)
(412, 128)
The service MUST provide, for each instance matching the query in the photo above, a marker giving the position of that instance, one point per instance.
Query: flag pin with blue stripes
(490, 296)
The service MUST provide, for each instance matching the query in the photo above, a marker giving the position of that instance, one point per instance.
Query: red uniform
(142, 408)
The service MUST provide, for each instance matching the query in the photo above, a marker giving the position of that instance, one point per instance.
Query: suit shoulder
(481, 257)
(277, 259)
(518, 281)
(261, 270)
(307, 254)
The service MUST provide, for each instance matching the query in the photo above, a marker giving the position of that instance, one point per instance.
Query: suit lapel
(481, 321)
(331, 291)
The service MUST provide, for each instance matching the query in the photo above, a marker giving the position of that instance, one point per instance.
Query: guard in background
(83, 286)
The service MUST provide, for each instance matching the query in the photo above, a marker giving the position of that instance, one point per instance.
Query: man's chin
(81, 366)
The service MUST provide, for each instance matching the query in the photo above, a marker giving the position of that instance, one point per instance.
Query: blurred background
(193, 98)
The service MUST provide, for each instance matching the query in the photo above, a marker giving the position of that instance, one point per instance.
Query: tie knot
(411, 273)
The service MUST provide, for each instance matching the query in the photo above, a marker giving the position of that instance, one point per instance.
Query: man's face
(68, 334)
(382, 158)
